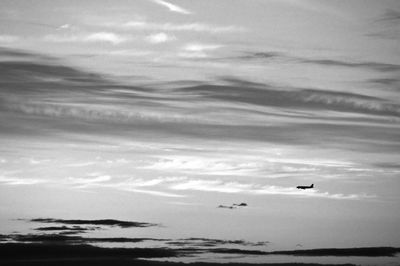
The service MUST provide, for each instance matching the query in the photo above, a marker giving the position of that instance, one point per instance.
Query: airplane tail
(312, 185)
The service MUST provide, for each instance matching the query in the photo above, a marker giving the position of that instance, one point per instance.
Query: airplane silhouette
(233, 206)
(305, 187)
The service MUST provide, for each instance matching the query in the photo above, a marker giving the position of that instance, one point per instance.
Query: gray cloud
(17, 71)
(386, 25)
(382, 67)
(21, 55)
(35, 78)
(391, 15)
(12, 21)
(49, 98)
(260, 55)
(393, 83)
(300, 98)
(376, 66)
(387, 165)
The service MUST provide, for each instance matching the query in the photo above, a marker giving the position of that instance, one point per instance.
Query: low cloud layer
(106, 222)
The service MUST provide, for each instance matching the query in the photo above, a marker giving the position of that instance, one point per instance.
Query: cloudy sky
(161, 111)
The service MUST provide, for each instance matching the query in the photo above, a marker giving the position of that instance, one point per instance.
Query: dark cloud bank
(109, 222)
(48, 253)
(59, 249)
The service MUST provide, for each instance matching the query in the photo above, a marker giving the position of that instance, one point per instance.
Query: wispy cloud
(106, 37)
(159, 38)
(151, 182)
(81, 164)
(300, 98)
(197, 50)
(89, 180)
(161, 186)
(383, 67)
(64, 27)
(135, 185)
(98, 113)
(328, 62)
(212, 186)
(199, 47)
(208, 166)
(172, 7)
(38, 161)
(130, 52)
(193, 27)
(256, 189)
(9, 39)
(20, 181)
(156, 193)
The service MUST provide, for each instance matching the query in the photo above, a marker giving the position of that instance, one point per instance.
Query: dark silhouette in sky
(306, 187)
(105, 222)
(233, 206)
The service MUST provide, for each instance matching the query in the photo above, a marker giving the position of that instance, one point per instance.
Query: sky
(160, 111)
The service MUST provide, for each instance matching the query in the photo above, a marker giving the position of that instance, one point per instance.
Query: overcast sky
(160, 111)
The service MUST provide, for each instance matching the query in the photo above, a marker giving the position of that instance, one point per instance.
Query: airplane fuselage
(305, 187)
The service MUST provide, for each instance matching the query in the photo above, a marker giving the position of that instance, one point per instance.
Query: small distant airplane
(233, 206)
(305, 187)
